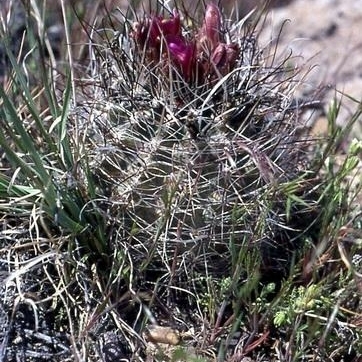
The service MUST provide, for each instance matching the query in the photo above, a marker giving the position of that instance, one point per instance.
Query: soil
(324, 35)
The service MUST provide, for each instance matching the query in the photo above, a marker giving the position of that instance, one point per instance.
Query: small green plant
(181, 354)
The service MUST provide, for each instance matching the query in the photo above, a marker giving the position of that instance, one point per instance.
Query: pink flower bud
(224, 57)
(210, 31)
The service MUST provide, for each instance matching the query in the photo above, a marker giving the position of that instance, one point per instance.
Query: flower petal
(171, 26)
(182, 52)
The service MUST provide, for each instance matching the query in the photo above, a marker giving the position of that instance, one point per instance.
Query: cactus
(199, 150)
(200, 137)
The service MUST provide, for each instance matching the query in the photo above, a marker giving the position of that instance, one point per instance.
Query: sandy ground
(326, 36)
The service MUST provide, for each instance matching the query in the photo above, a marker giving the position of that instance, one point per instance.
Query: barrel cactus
(199, 149)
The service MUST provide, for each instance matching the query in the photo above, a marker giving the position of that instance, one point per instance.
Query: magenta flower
(171, 26)
(153, 30)
(160, 28)
(182, 53)
(202, 55)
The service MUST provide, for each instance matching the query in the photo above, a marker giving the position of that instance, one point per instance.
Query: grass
(203, 215)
